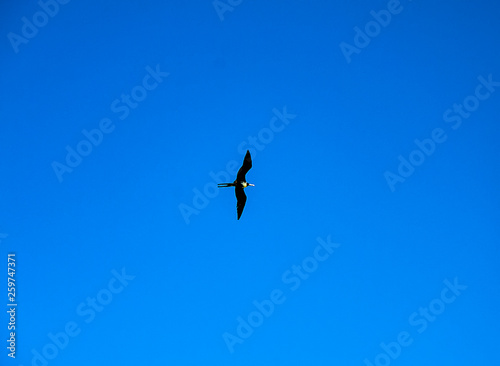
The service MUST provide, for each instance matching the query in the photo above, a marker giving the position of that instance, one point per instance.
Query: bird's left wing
(247, 165)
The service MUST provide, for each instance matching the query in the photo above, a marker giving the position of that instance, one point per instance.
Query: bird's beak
(250, 184)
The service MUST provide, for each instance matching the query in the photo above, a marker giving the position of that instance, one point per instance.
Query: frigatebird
(240, 183)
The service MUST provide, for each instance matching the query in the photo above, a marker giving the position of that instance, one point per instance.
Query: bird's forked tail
(220, 185)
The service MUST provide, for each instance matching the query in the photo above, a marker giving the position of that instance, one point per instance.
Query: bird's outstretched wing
(247, 165)
(241, 198)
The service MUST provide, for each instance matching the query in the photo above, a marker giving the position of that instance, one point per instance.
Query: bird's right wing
(247, 165)
(241, 197)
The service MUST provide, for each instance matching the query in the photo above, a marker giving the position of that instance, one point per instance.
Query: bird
(240, 183)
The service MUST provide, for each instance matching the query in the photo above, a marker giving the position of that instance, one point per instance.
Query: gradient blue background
(322, 175)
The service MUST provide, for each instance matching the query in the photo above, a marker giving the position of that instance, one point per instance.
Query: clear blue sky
(374, 129)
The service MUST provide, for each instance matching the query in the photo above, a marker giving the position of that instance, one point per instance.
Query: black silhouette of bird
(240, 183)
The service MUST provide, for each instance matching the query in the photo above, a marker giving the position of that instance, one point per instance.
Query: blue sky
(370, 237)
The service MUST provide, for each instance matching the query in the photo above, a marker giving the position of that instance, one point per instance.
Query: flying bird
(240, 183)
